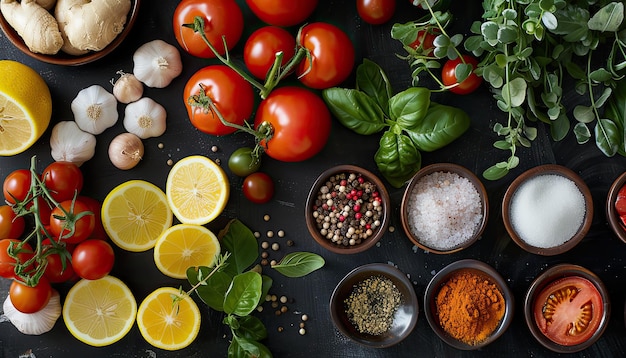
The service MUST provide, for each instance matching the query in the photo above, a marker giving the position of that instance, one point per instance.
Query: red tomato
(93, 259)
(425, 41)
(258, 187)
(96, 208)
(28, 299)
(282, 12)
(259, 52)
(569, 310)
(332, 55)
(468, 85)
(7, 263)
(375, 12)
(45, 209)
(300, 120)
(59, 268)
(63, 179)
(83, 227)
(222, 18)
(11, 226)
(233, 96)
(16, 185)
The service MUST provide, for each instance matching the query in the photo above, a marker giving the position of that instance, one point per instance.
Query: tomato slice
(620, 201)
(569, 310)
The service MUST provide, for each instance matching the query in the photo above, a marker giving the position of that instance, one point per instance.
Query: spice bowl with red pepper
(547, 210)
(616, 207)
(567, 308)
(347, 209)
(468, 304)
(375, 305)
(444, 208)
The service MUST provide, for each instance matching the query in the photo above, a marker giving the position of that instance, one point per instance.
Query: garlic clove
(157, 63)
(69, 143)
(145, 118)
(36, 323)
(127, 88)
(95, 109)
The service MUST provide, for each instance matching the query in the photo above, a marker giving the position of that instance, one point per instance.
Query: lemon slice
(183, 246)
(197, 190)
(25, 107)
(135, 214)
(166, 325)
(99, 312)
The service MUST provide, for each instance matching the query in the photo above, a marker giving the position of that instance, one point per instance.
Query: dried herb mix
(372, 305)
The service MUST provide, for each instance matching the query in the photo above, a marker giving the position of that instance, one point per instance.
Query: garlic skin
(127, 88)
(157, 63)
(125, 151)
(145, 118)
(36, 323)
(95, 109)
(69, 143)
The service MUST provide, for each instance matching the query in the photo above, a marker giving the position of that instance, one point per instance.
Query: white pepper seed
(257, 234)
(160, 145)
(304, 317)
(281, 233)
(274, 298)
(283, 299)
(302, 324)
(284, 309)
(302, 331)
(280, 328)
(273, 263)
(170, 162)
(270, 234)
(265, 245)
(266, 217)
(275, 246)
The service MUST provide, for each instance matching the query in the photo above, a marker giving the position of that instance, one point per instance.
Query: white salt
(547, 211)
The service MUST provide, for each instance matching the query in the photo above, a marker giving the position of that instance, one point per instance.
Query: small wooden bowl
(448, 168)
(611, 214)
(310, 202)
(548, 169)
(64, 59)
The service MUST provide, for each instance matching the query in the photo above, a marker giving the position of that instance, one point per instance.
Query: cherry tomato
(7, 263)
(258, 187)
(242, 162)
(283, 13)
(300, 120)
(96, 208)
(233, 96)
(59, 268)
(569, 310)
(11, 226)
(45, 209)
(222, 18)
(375, 12)
(424, 41)
(332, 56)
(83, 227)
(468, 85)
(93, 259)
(28, 299)
(16, 185)
(259, 52)
(63, 179)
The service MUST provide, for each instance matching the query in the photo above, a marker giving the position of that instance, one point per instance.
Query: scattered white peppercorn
(304, 318)
(273, 263)
(170, 162)
(266, 217)
(160, 145)
(283, 299)
(270, 234)
(265, 245)
(214, 149)
(302, 331)
(257, 234)
(218, 161)
(280, 328)
(275, 246)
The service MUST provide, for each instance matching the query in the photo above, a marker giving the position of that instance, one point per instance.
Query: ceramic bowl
(611, 214)
(555, 273)
(405, 317)
(66, 59)
(442, 277)
(312, 202)
(547, 169)
(446, 168)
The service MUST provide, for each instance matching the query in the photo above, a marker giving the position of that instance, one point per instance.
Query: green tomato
(243, 162)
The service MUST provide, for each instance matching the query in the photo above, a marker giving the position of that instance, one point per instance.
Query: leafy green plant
(410, 121)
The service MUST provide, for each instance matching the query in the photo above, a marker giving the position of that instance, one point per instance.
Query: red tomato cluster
(620, 205)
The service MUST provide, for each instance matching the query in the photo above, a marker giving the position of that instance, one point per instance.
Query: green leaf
(560, 127)
(502, 144)
(371, 79)
(572, 23)
(607, 136)
(397, 158)
(494, 172)
(608, 19)
(509, 14)
(298, 264)
(441, 125)
(616, 112)
(213, 293)
(441, 41)
(462, 71)
(489, 29)
(409, 106)
(584, 114)
(355, 110)
(251, 328)
(547, 5)
(244, 294)
(600, 75)
(472, 43)
(549, 21)
(239, 240)
(241, 347)
(514, 92)
(507, 35)
(582, 133)
(405, 33)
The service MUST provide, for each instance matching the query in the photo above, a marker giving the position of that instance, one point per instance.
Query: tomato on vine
(59, 268)
(30, 299)
(7, 263)
(11, 225)
(93, 259)
(449, 75)
(95, 207)
(64, 180)
(71, 213)
(243, 162)
(16, 185)
(259, 52)
(283, 13)
(258, 188)
(376, 12)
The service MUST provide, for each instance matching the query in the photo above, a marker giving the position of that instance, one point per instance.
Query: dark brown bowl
(378, 232)
(66, 59)
(437, 282)
(462, 172)
(405, 317)
(555, 273)
(611, 214)
(548, 169)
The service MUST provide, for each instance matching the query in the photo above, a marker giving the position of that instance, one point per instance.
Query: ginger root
(37, 27)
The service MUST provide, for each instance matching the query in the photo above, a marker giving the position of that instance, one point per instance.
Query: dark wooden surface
(600, 251)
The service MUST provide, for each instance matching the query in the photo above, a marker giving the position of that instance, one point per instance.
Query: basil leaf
(242, 347)
(298, 264)
(397, 158)
(371, 79)
(441, 125)
(213, 292)
(251, 328)
(409, 106)
(244, 294)
(355, 110)
(239, 240)
(616, 112)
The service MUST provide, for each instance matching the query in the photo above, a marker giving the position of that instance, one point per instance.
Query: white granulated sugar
(444, 210)
(547, 211)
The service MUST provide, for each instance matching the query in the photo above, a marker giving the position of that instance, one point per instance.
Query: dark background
(601, 251)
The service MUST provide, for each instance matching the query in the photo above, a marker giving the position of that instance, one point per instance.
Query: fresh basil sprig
(410, 121)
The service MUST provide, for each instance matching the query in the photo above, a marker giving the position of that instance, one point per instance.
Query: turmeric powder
(470, 307)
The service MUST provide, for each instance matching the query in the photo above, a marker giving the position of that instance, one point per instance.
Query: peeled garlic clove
(95, 109)
(145, 118)
(127, 88)
(36, 323)
(69, 143)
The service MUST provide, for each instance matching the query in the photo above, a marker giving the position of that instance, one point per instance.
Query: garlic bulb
(127, 88)
(125, 151)
(157, 63)
(145, 118)
(95, 109)
(71, 144)
(36, 323)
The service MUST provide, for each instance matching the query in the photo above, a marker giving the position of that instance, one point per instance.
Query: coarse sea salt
(547, 210)
(444, 210)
